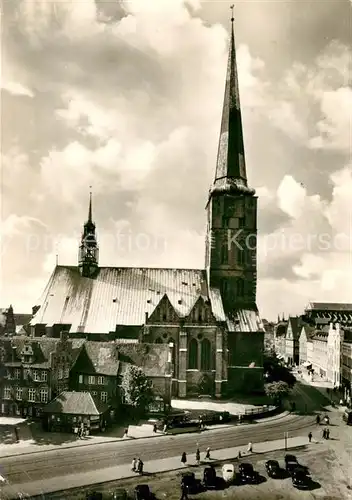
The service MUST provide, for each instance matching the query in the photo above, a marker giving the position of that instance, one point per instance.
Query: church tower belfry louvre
(209, 316)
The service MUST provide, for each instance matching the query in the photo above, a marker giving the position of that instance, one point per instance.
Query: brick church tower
(231, 245)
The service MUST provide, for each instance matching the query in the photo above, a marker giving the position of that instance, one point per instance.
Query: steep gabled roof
(76, 403)
(98, 357)
(295, 322)
(118, 296)
(152, 358)
(329, 306)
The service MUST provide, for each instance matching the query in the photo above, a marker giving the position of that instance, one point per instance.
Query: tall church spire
(88, 249)
(230, 174)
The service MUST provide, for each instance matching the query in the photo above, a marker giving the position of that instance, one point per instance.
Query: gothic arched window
(159, 341)
(193, 354)
(205, 355)
(240, 287)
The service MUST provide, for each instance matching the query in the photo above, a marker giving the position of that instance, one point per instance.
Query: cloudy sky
(127, 96)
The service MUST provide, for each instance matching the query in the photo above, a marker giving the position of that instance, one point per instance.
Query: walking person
(133, 465)
(184, 458)
(125, 432)
(184, 492)
(318, 420)
(250, 448)
(327, 434)
(310, 435)
(154, 428)
(198, 456)
(324, 434)
(207, 454)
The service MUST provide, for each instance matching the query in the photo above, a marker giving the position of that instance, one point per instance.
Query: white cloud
(335, 129)
(16, 88)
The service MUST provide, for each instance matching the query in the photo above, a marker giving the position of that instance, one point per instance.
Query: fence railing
(260, 409)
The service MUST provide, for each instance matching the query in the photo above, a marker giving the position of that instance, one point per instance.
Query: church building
(208, 316)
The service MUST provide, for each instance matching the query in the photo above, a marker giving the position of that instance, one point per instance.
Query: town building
(12, 323)
(328, 312)
(346, 369)
(70, 411)
(34, 371)
(306, 344)
(209, 315)
(286, 342)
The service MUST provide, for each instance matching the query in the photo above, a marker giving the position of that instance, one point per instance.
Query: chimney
(146, 318)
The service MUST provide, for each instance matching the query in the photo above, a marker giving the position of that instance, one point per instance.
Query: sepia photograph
(176, 249)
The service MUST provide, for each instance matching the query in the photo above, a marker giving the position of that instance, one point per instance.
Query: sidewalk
(322, 386)
(153, 466)
(30, 446)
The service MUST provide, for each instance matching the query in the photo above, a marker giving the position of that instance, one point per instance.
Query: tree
(275, 371)
(277, 391)
(137, 388)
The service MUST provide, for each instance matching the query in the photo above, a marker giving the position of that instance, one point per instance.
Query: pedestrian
(165, 428)
(327, 434)
(133, 465)
(16, 434)
(125, 432)
(250, 448)
(310, 435)
(207, 454)
(154, 428)
(140, 466)
(184, 492)
(184, 458)
(318, 420)
(239, 454)
(198, 456)
(239, 419)
(324, 434)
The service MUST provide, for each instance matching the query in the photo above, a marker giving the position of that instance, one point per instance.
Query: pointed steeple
(230, 175)
(88, 249)
(90, 206)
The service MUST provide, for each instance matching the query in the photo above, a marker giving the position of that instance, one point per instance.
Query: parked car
(94, 495)
(209, 477)
(142, 492)
(120, 494)
(273, 469)
(347, 417)
(300, 479)
(248, 474)
(228, 473)
(189, 480)
(215, 417)
(291, 463)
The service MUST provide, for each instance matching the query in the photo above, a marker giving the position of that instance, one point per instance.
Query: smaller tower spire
(88, 249)
(90, 205)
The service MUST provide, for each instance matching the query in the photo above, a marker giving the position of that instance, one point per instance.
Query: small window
(91, 380)
(241, 222)
(80, 379)
(104, 397)
(101, 381)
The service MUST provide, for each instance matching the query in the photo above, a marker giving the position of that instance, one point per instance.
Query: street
(43, 465)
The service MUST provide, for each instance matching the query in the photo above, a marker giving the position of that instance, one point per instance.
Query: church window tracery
(205, 360)
(193, 354)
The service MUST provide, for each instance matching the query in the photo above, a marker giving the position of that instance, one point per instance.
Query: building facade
(209, 315)
(36, 371)
(291, 355)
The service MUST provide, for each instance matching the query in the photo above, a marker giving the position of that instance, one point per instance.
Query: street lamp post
(286, 437)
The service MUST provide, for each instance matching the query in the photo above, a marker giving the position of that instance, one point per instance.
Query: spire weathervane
(232, 8)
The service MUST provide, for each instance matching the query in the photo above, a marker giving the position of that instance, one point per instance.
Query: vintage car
(228, 473)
